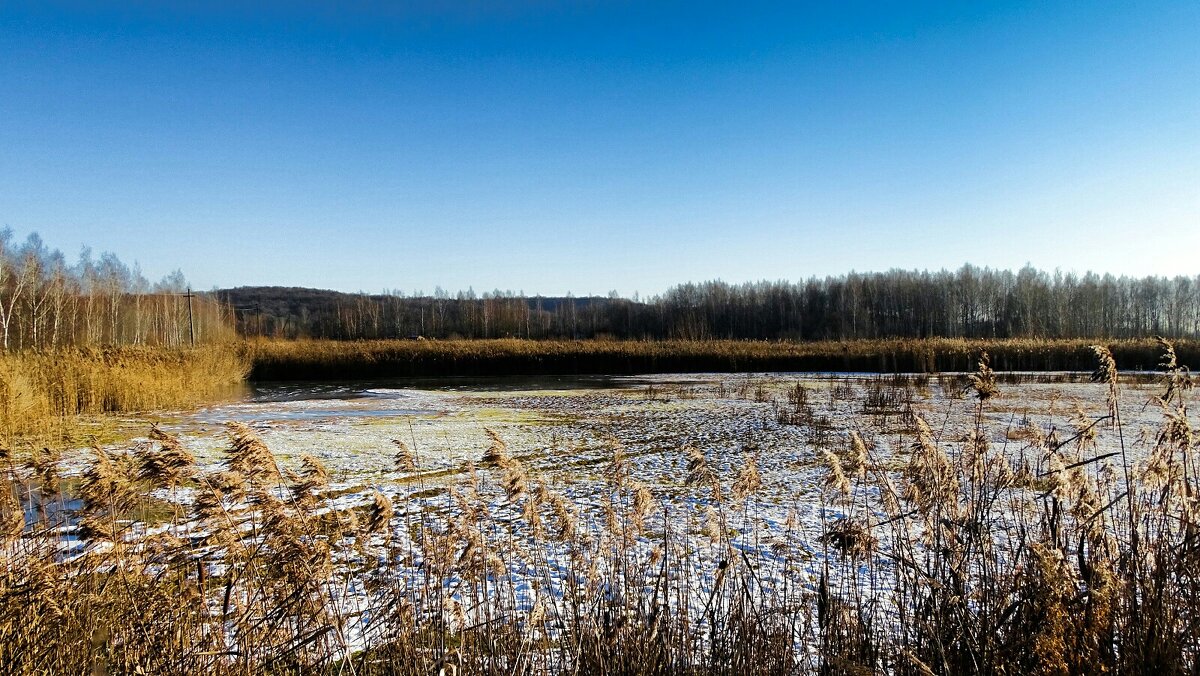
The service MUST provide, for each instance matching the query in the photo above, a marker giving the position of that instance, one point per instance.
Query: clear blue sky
(552, 147)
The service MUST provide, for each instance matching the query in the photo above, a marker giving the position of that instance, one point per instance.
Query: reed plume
(381, 513)
(405, 459)
(835, 475)
(1106, 373)
(314, 477)
(700, 473)
(168, 466)
(748, 481)
(249, 457)
(497, 452)
(983, 380)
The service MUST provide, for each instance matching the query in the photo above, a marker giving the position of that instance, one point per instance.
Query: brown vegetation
(328, 359)
(967, 557)
(42, 392)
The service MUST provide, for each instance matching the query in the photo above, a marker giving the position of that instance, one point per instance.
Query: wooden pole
(191, 324)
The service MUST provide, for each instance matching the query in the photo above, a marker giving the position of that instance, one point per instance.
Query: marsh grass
(42, 393)
(1035, 554)
(327, 359)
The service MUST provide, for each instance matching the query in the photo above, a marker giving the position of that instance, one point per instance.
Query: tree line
(47, 302)
(970, 302)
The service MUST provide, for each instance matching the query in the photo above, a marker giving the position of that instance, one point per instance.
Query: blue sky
(553, 147)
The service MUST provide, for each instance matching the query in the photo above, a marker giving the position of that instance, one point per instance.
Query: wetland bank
(703, 523)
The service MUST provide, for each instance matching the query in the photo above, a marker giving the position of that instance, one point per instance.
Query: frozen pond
(564, 432)
(351, 425)
(616, 451)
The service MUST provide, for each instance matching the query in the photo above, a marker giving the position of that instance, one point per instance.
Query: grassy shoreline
(44, 394)
(343, 360)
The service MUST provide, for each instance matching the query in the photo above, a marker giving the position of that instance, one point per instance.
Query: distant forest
(47, 301)
(971, 302)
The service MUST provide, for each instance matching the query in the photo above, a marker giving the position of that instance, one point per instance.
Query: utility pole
(191, 325)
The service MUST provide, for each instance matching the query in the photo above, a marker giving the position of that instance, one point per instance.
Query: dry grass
(42, 392)
(327, 359)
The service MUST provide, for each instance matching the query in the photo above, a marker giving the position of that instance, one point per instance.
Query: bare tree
(14, 278)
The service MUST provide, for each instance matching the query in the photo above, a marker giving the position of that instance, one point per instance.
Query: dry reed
(42, 393)
(329, 359)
